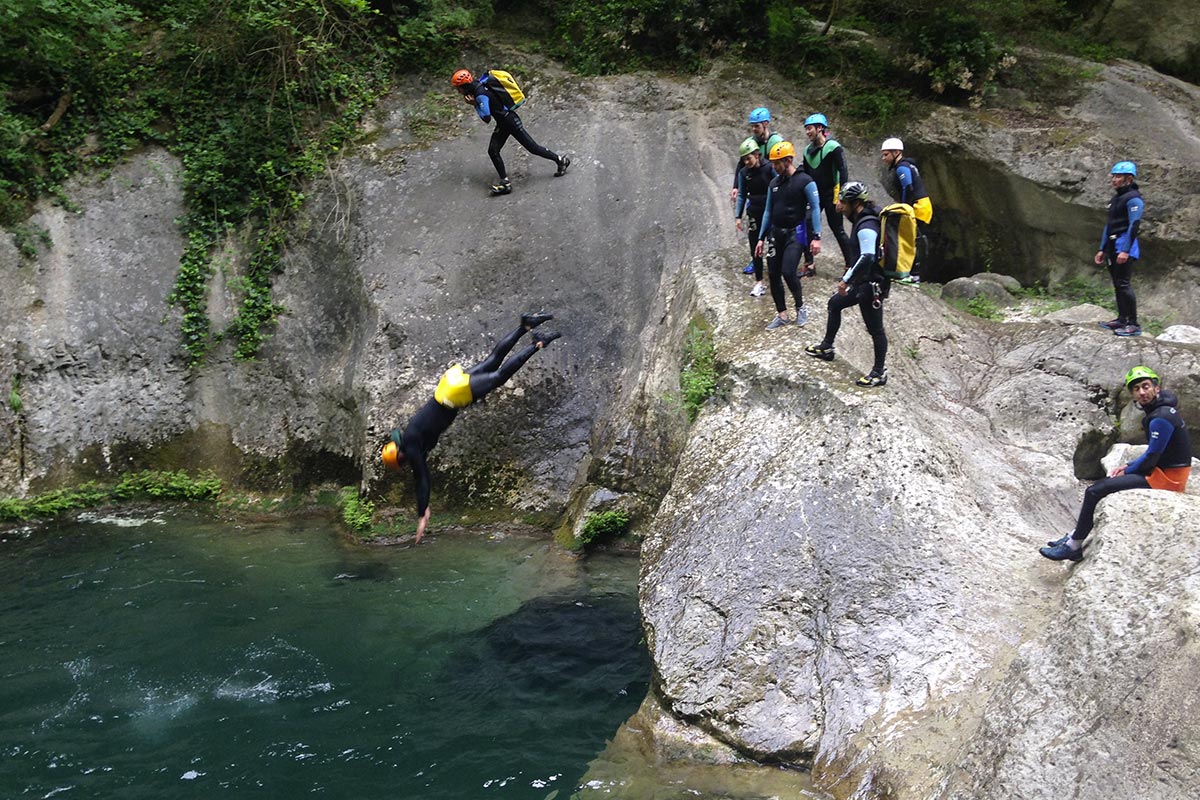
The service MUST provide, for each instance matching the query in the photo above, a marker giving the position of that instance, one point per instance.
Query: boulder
(1183, 334)
(969, 288)
(1007, 282)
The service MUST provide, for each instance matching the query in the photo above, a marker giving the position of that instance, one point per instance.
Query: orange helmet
(391, 453)
(461, 78)
(782, 150)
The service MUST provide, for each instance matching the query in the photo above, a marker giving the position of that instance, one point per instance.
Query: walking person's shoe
(758, 291)
(873, 378)
(778, 322)
(802, 315)
(1112, 324)
(1129, 330)
(563, 164)
(821, 351)
(502, 187)
(531, 319)
(1061, 552)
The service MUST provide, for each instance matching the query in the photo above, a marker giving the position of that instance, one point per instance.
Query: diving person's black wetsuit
(425, 427)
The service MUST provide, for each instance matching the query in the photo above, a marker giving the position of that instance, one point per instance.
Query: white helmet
(892, 144)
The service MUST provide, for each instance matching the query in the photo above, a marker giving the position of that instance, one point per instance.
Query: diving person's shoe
(503, 187)
(873, 378)
(543, 339)
(563, 164)
(820, 351)
(531, 319)
(1062, 552)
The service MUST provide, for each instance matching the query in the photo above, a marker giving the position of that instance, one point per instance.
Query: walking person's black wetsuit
(864, 284)
(493, 103)
(457, 389)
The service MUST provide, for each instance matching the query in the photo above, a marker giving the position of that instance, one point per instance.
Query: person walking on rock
(904, 185)
(791, 222)
(863, 284)
(754, 178)
(493, 101)
(825, 162)
(1166, 464)
(457, 389)
(1119, 246)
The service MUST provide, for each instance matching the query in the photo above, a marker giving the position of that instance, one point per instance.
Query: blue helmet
(1124, 168)
(816, 119)
(759, 114)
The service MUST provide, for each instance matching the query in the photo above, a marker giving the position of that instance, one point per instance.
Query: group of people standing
(779, 197)
(779, 201)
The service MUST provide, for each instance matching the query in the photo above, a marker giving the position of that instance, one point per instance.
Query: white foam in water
(121, 522)
(190, 775)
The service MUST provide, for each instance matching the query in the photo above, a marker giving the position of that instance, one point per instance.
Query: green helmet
(1140, 373)
(747, 147)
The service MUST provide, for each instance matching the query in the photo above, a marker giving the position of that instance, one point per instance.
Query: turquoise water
(177, 656)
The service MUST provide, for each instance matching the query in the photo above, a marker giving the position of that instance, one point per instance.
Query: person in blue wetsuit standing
(457, 389)
(1166, 464)
(492, 102)
(825, 162)
(1119, 246)
(791, 222)
(863, 283)
(754, 178)
(905, 185)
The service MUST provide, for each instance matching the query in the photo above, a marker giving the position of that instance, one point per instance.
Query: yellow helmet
(782, 150)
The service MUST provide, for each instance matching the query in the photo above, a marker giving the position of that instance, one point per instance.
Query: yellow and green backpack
(508, 85)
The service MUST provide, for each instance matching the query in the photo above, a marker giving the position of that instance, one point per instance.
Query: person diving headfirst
(457, 389)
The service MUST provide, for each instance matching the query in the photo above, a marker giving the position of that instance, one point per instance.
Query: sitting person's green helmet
(1140, 373)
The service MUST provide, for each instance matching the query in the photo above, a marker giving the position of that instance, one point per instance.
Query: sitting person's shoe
(545, 338)
(1060, 540)
(1061, 552)
(531, 319)
(563, 164)
(821, 351)
(1129, 330)
(873, 378)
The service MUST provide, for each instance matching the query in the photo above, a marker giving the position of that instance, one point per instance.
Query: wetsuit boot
(501, 187)
(563, 164)
(545, 338)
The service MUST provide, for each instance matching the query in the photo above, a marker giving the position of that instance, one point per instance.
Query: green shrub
(698, 378)
(985, 307)
(602, 525)
(358, 514)
(148, 484)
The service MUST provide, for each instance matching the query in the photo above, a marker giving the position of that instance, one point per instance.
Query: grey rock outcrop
(969, 288)
(847, 578)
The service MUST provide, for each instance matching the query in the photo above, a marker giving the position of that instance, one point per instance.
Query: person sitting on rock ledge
(1166, 464)
(457, 389)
